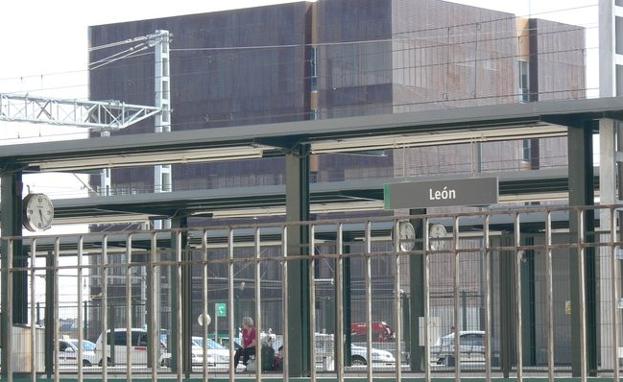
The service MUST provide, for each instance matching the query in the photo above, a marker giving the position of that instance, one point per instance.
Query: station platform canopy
(331, 197)
(434, 127)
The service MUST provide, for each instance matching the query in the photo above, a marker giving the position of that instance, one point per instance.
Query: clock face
(406, 234)
(436, 233)
(437, 230)
(38, 212)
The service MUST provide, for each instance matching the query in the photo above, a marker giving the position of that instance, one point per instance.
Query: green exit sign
(221, 309)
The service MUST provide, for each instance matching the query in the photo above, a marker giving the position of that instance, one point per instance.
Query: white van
(138, 349)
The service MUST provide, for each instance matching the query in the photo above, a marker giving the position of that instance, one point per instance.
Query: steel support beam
(11, 207)
(185, 304)
(346, 299)
(346, 273)
(581, 188)
(95, 115)
(297, 209)
(49, 314)
(416, 293)
(507, 343)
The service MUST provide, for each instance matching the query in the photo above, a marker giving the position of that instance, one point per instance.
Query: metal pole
(427, 315)
(7, 335)
(154, 310)
(550, 296)
(312, 305)
(368, 282)
(397, 301)
(204, 284)
(339, 302)
(128, 308)
(162, 121)
(582, 289)
(230, 301)
(487, 290)
(80, 322)
(457, 327)
(518, 326)
(614, 275)
(33, 323)
(178, 280)
(57, 325)
(258, 305)
(105, 308)
(284, 292)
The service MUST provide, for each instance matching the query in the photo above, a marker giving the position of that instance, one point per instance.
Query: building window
(527, 150)
(524, 84)
(313, 69)
(619, 80)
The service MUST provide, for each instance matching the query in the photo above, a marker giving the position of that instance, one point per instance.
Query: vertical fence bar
(230, 301)
(614, 275)
(368, 282)
(178, 272)
(57, 325)
(549, 281)
(427, 314)
(128, 308)
(284, 292)
(397, 310)
(518, 321)
(487, 282)
(312, 302)
(258, 304)
(33, 323)
(457, 322)
(154, 310)
(339, 298)
(582, 282)
(79, 305)
(105, 308)
(204, 285)
(8, 315)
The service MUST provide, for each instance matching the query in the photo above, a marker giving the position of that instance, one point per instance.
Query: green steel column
(185, 305)
(347, 307)
(581, 193)
(506, 307)
(49, 315)
(11, 221)
(528, 309)
(416, 293)
(297, 209)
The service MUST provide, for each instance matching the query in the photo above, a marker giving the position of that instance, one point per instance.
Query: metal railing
(219, 257)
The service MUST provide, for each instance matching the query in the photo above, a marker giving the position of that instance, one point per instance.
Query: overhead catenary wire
(443, 63)
(443, 27)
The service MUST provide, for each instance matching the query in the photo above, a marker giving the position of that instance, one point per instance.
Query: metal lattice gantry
(95, 115)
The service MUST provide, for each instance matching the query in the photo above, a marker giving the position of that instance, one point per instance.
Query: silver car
(472, 348)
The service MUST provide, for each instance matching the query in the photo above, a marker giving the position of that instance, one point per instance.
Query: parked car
(359, 356)
(381, 331)
(472, 348)
(138, 347)
(68, 353)
(218, 355)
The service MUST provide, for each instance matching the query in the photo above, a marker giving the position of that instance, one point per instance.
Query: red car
(381, 331)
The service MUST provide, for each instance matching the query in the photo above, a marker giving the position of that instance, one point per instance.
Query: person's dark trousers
(245, 354)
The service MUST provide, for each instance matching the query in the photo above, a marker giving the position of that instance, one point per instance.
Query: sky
(44, 52)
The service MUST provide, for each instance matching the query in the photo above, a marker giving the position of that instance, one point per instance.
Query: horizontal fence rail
(487, 294)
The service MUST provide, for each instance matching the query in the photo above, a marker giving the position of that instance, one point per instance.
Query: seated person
(249, 340)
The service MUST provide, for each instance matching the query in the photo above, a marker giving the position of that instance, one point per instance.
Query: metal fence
(503, 279)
